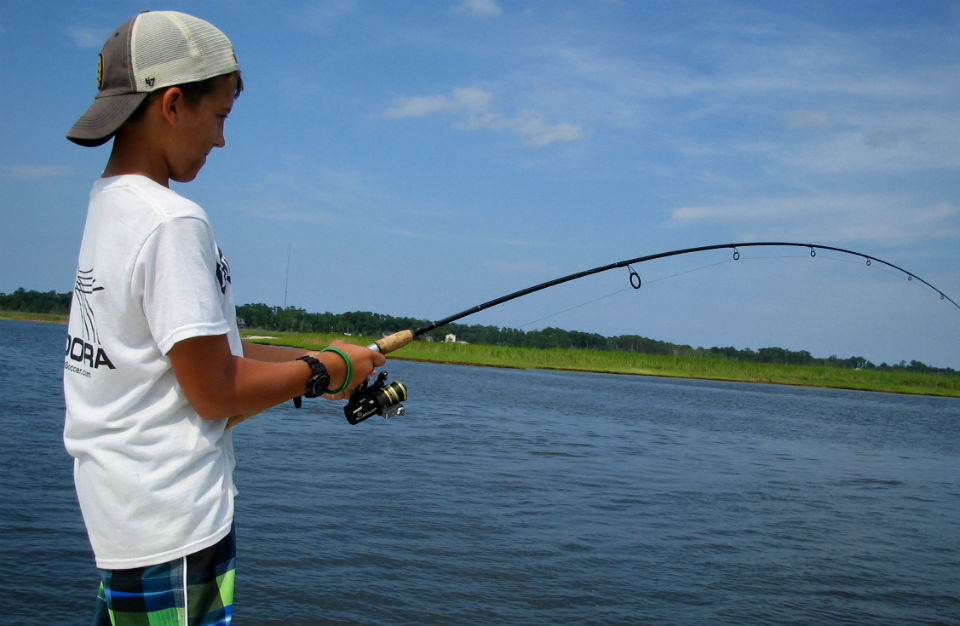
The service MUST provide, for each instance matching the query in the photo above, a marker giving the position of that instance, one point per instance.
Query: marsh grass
(58, 318)
(615, 362)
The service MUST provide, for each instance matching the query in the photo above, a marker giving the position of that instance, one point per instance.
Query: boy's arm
(219, 384)
(274, 354)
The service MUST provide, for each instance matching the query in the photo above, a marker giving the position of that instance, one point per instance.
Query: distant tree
(36, 301)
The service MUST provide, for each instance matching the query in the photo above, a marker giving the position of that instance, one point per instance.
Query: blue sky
(420, 158)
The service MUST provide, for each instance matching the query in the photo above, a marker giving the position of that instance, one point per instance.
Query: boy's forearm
(273, 354)
(252, 386)
(219, 384)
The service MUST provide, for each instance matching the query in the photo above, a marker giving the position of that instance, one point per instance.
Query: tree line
(24, 301)
(362, 323)
(293, 319)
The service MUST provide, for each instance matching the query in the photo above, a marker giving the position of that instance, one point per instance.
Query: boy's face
(199, 130)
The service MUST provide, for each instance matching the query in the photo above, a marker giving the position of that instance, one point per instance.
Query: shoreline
(752, 381)
(49, 318)
(637, 364)
(643, 365)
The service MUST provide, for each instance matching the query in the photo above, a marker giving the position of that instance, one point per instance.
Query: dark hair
(193, 93)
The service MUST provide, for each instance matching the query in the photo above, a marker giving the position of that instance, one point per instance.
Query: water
(534, 497)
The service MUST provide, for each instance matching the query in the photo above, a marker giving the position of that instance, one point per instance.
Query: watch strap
(319, 375)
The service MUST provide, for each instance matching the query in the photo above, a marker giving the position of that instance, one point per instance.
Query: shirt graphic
(85, 350)
(223, 271)
(86, 286)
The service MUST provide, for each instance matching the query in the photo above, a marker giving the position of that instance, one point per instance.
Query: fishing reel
(379, 398)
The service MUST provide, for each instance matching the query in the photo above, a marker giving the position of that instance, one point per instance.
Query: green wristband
(346, 381)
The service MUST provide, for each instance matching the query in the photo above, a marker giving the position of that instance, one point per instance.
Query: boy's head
(150, 51)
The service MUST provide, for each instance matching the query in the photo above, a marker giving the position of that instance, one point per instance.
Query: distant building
(450, 338)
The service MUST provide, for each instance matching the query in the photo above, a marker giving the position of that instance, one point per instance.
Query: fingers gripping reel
(379, 398)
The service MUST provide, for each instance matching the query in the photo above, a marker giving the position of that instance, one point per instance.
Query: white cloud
(809, 119)
(34, 172)
(530, 126)
(520, 243)
(459, 99)
(480, 8)
(439, 234)
(87, 37)
(903, 140)
(283, 213)
(475, 104)
(514, 267)
(804, 77)
(836, 218)
(331, 196)
(319, 17)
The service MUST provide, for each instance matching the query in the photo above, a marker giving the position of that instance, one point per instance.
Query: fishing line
(633, 285)
(685, 272)
(846, 260)
(650, 281)
(576, 306)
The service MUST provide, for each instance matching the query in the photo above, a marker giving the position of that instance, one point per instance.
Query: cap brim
(103, 118)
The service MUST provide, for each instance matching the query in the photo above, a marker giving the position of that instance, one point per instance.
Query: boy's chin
(185, 177)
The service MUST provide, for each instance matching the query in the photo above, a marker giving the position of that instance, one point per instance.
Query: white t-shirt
(154, 480)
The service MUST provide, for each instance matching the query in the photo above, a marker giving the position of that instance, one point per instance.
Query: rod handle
(392, 342)
(236, 419)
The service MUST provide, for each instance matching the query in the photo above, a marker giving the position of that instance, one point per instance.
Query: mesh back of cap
(170, 48)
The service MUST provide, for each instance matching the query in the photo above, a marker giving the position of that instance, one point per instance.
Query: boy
(154, 362)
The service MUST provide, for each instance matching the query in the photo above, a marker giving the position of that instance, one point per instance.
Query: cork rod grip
(393, 342)
(384, 346)
(236, 419)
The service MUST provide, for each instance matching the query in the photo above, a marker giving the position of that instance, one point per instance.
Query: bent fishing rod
(383, 398)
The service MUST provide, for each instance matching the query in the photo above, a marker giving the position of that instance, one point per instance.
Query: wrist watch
(319, 381)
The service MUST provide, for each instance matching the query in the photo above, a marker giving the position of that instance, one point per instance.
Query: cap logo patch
(150, 81)
(100, 71)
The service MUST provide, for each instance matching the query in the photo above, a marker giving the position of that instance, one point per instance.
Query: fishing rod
(382, 398)
(403, 337)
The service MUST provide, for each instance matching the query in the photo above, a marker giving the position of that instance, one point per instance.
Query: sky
(419, 158)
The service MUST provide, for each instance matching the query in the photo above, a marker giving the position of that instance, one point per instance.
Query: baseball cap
(151, 50)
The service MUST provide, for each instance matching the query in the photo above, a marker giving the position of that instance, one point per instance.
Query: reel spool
(379, 398)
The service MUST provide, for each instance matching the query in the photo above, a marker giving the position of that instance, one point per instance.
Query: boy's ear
(170, 103)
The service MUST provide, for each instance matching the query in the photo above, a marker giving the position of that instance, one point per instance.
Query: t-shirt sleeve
(182, 296)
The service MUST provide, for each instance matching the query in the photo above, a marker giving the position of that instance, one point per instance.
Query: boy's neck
(131, 154)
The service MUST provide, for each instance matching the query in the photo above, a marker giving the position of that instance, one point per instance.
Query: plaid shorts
(195, 590)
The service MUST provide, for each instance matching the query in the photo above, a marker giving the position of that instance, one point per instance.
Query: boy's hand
(364, 362)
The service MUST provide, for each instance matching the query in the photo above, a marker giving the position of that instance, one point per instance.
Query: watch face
(319, 383)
